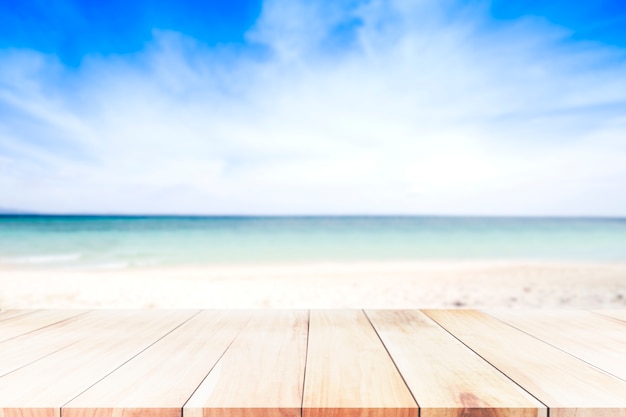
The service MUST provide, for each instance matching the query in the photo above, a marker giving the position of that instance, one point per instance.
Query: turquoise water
(128, 242)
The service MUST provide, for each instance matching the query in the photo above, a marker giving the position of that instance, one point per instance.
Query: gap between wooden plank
(7, 314)
(26, 349)
(306, 358)
(487, 361)
(619, 315)
(194, 412)
(260, 374)
(32, 361)
(444, 375)
(29, 323)
(131, 358)
(419, 408)
(163, 377)
(605, 350)
(44, 386)
(349, 372)
(565, 384)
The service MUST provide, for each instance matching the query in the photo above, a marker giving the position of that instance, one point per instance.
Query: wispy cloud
(378, 107)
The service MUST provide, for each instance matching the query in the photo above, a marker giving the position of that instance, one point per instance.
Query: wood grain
(7, 314)
(41, 388)
(30, 412)
(598, 340)
(616, 314)
(446, 378)
(224, 364)
(567, 385)
(27, 348)
(25, 323)
(262, 372)
(348, 370)
(163, 377)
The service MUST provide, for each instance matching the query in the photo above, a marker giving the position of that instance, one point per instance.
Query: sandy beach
(478, 284)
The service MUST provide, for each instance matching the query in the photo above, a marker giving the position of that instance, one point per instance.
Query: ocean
(152, 241)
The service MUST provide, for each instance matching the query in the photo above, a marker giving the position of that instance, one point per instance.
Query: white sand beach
(479, 284)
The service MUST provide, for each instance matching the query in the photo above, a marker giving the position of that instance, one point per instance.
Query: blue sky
(299, 107)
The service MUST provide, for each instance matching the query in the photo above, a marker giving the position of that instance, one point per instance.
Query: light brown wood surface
(32, 346)
(567, 385)
(616, 314)
(26, 323)
(42, 387)
(163, 377)
(446, 378)
(159, 363)
(7, 314)
(349, 373)
(598, 340)
(261, 374)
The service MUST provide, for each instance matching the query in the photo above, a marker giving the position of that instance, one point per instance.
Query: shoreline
(390, 284)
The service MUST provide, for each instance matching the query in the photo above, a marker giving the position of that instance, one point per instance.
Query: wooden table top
(317, 363)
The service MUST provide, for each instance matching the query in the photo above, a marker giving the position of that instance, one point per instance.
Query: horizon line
(318, 215)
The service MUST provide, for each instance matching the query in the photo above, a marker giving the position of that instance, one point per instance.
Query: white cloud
(414, 110)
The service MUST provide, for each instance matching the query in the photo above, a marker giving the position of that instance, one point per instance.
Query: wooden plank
(348, 370)
(26, 323)
(7, 314)
(30, 347)
(261, 374)
(41, 388)
(598, 340)
(567, 385)
(27, 348)
(615, 314)
(446, 378)
(161, 379)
